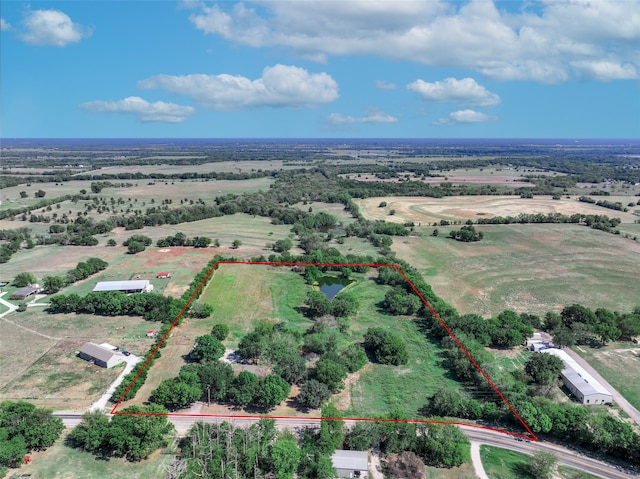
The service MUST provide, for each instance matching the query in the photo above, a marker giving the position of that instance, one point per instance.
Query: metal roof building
(136, 286)
(581, 384)
(351, 463)
(24, 292)
(100, 355)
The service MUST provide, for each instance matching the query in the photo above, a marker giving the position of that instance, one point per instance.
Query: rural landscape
(319, 299)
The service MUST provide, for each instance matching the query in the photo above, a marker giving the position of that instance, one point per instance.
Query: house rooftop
(96, 351)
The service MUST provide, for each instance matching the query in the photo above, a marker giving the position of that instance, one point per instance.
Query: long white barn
(137, 286)
(581, 384)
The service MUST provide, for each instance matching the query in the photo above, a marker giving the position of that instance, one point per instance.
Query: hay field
(39, 362)
(528, 268)
(461, 208)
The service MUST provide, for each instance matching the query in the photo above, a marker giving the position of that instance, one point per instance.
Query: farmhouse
(581, 384)
(137, 286)
(24, 293)
(100, 355)
(350, 463)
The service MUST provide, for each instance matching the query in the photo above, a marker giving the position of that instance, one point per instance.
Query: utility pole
(208, 395)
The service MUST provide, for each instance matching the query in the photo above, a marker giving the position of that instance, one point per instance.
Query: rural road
(617, 397)
(481, 436)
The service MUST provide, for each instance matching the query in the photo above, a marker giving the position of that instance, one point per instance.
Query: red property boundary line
(305, 418)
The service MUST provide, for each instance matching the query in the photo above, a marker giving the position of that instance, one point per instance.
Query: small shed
(350, 463)
(24, 293)
(163, 275)
(101, 356)
(150, 333)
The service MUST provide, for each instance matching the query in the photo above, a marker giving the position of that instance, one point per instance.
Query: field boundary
(531, 436)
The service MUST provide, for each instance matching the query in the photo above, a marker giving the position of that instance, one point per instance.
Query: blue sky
(305, 69)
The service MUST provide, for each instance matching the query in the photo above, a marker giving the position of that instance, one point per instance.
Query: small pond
(330, 285)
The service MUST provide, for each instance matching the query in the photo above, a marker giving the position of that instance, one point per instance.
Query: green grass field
(504, 464)
(528, 268)
(381, 388)
(619, 364)
(63, 462)
(242, 295)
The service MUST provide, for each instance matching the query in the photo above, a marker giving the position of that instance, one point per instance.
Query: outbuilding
(163, 275)
(351, 463)
(135, 286)
(577, 380)
(100, 355)
(24, 293)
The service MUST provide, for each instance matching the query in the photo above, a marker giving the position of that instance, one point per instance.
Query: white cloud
(142, 109)
(465, 116)
(279, 86)
(606, 70)
(51, 27)
(464, 92)
(4, 26)
(371, 117)
(540, 44)
(384, 85)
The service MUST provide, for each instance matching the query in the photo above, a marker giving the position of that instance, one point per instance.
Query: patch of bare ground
(343, 398)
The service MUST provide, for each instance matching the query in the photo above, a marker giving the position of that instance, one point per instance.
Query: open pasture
(39, 361)
(462, 208)
(249, 166)
(11, 199)
(528, 268)
(177, 190)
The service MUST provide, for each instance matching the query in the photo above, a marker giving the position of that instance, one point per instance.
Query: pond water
(330, 285)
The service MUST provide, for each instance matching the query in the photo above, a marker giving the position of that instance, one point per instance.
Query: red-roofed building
(164, 275)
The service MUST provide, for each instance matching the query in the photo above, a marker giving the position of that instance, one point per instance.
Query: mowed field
(528, 268)
(462, 208)
(39, 362)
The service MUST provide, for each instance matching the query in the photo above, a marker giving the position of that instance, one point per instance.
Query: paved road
(617, 397)
(482, 436)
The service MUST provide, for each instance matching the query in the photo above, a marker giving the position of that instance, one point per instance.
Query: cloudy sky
(329, 68)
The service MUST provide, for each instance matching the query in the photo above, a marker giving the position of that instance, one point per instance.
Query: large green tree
(286, 457)
(544, 369)
(271, 391)
(207, 349)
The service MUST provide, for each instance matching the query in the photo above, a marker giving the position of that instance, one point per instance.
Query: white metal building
(581, 384)
(136, 286)
(351, 463)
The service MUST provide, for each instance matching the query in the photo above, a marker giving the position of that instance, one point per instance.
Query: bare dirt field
(39, 361)
(461, 208)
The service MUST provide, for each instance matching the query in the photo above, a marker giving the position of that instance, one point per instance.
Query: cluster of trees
(53, 283)
(343, 305)
(137, 243)
(134, 433)
(13, 241)
(223, 451)
(24, 428)
(617, 205)
(467, 234)
(180, 239)
(436, 445)
(151, 306)
(577, 324)
(386, 347)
